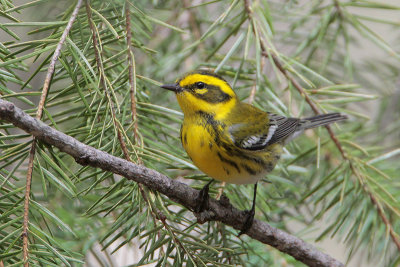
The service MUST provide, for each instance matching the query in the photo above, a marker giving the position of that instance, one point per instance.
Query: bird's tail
(320, 120)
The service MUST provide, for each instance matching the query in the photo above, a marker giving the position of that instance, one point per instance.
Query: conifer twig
(181, 193)
(132, 73)
(102, 78)
(39, 113)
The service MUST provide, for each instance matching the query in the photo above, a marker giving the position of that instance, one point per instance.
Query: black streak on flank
(184, 140)
(248, 169)
(180, 134)
(230, 162)
(226, 170)
(238, 153)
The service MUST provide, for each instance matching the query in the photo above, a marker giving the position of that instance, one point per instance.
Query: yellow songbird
(229, 140)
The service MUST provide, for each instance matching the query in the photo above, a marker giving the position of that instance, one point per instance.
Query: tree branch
(181, 193)
(132, 73)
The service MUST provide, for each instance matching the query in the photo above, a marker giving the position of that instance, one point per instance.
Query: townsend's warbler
(230, 140)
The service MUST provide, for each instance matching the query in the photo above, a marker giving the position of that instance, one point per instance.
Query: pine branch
(132, 73)
(181, 193)
(102, 78)
(39, 113)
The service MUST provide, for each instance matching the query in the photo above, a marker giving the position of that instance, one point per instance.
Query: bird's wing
(258, 133)
(285, 127)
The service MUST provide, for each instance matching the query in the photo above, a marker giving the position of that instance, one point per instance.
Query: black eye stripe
(214, 93)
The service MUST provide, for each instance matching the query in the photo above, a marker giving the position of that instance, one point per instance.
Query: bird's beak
(172, 87)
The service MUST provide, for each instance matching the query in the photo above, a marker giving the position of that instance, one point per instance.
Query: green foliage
(74, 209)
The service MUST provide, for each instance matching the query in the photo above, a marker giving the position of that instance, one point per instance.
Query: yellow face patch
(201, 91)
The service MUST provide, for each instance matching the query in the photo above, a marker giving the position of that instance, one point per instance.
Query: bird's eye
(200, 85)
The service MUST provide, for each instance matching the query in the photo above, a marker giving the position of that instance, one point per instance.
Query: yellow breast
(219, 159)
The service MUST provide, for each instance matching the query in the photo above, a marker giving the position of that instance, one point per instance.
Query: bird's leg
(250, 214)
(202, 199)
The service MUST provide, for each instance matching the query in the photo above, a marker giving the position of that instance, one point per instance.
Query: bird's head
(203, 91)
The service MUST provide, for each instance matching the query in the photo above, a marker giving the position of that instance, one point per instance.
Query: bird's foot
(249, 221)
(202, 199)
